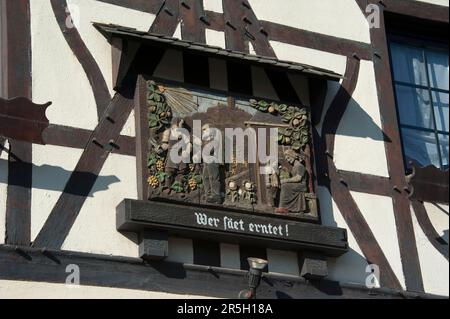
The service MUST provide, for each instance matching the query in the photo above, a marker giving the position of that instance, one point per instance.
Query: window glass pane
(420, 147)
(414, 107)
(440, 103)
(443, 142)
(438, 69)
(408, 64)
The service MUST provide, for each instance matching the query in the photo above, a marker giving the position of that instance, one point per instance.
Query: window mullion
(430, 93)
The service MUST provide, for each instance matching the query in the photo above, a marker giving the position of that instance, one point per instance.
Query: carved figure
(211, 171)
(174, 171)
(295, 187)
(233, 192)
(272, 184)
(248, 194)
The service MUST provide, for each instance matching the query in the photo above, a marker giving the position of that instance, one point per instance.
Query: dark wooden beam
(142, 137)
(340, 192)
(131, 273)
(316, 41)
(396, 168)
(17, 59)
(167, 18)
(429, 184)
(84, 56)
(215, 20)
(73, 137)
(230, 226)
(80, 183)
(365, 183)
(18, 201)
(243, 27)
(193, 20)
(23, 120)
(276, 32)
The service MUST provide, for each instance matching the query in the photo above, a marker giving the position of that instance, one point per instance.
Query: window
(421, 83)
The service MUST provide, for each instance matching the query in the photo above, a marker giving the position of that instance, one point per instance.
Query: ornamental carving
(189, 127)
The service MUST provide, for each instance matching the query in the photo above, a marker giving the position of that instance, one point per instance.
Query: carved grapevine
(297, 135)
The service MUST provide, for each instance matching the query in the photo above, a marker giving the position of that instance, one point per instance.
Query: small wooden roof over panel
(111, 30)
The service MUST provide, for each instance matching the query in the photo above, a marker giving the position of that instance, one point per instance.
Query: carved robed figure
(295, 187)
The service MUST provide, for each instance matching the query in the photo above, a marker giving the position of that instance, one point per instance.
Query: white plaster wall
(3, 190)
(129, 129)
(438, 2)
(90, 11)
(94, 230)
(215, 38)
(438, 214)
(52, 167)
(339, 18)
(434, 266)
(37, 290)
(378, 212)
(213, 5)
(350, 267)
(57, 74)
(359, 134)
(177, 33)
(321, 59)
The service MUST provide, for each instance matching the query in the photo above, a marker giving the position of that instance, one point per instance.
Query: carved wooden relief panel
(261, 151)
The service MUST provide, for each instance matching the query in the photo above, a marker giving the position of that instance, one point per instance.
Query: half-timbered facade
(357, 207)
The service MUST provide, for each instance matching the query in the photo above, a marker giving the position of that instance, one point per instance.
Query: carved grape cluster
(153, 181)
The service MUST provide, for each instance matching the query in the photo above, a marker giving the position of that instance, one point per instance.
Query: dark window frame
(425, 41)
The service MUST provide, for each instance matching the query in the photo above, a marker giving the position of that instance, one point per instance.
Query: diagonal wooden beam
(193, 19)
(80, 183)
(84, 56)
(394, 155)
(167, 18)
(427, 227)
(275, 31)
(341, 194)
